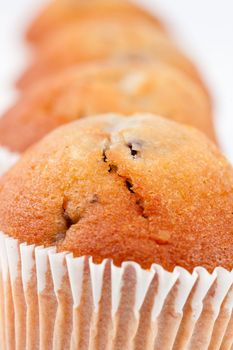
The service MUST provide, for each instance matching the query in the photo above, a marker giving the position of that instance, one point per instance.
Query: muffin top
(123, 87)
(141, 188)
(95, 39)
(59, 13)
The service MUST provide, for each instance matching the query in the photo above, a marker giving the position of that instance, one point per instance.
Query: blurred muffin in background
(58, 13)
(122, 87)
(95, 39)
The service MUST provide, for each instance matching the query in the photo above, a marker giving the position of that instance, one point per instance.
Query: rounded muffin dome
(114, 38)
(138, 188)
(58, 13)
(119, 87)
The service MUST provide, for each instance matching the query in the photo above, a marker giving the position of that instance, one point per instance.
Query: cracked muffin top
(140, 188)
(121, 87)
(94, 39)
(59, 13)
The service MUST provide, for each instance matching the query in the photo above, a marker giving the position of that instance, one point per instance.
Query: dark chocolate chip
(129, 185)
(112, 168)
(134, 147)
(104, 157)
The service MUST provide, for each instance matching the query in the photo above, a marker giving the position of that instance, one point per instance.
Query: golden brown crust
(59, 13)
(142, 188)
(91, 89)
(95, 39)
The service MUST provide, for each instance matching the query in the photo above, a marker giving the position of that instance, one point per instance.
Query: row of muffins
(86, 50)
(126, 185)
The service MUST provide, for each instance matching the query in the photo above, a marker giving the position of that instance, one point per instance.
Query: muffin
(59, 13)
(120, 194)
(122, 87)
(95, 39)
(139, 188)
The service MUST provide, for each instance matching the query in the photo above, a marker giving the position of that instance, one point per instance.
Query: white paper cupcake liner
(7, 159)
(52, 300)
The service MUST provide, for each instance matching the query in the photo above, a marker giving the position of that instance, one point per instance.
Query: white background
(203, 27)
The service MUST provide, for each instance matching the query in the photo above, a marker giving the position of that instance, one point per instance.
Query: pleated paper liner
(54, 301)
(7, 160)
